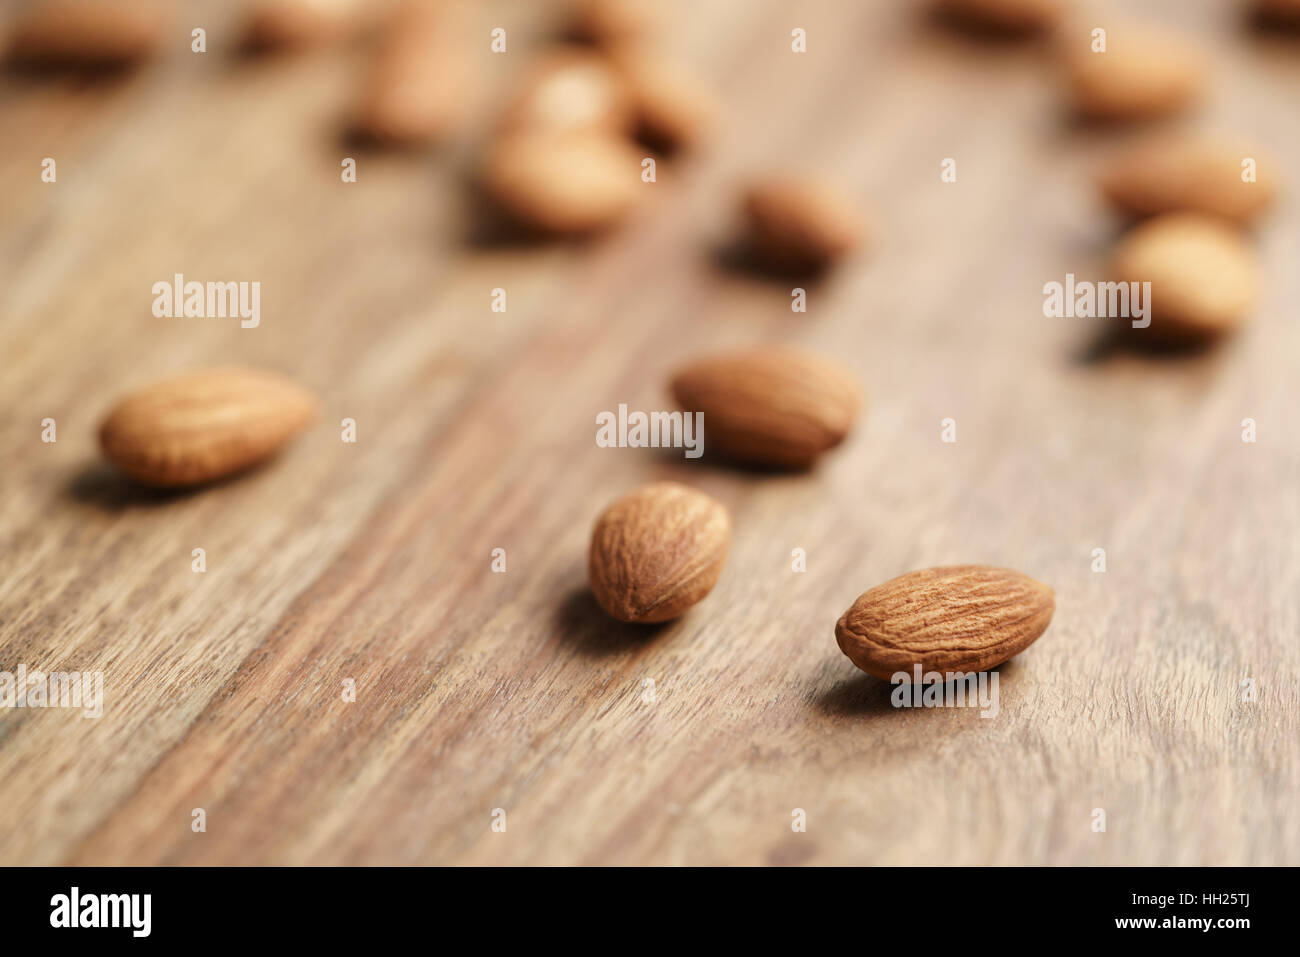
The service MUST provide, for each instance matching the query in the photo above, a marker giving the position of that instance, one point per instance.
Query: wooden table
(477, 690)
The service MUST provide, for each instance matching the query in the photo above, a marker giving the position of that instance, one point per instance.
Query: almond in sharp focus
(1204, 275)
(798, 223)
(1192, 175)
(565, 183)
(960, 618)
(203, 426)
(1143, 73)
(90, 33)
(415, 89)
(773, 405)
(657, 551)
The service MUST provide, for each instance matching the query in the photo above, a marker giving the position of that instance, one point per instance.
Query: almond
(563, 183)
(798, 223)
(1143, 73)
(615, 22)
(1204, 274)
(1173, 175)
(89, 33)
(657, 551)
(276, 25)
(963, 618)
(415, 89)
(773, 405)
(1004, 16)
(571, 90)
(671, 107)
(204, 425)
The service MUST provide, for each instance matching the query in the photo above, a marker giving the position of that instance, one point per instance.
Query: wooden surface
(476, 431)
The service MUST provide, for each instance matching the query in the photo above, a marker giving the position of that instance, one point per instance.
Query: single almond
(278, 25)
(570, 183)
(657, 551)
(611, 23)
(203, 426)
(797, 223)
(671, 107)
(415, 89)
(90, 33)
(961, 618)
(1004, 16)
(1204, 274)
(571, 90)
(773, 405)
(1143, 73)
(1174, 175)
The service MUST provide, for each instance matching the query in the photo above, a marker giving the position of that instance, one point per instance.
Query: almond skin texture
(87, 33)
(563, 183)
(1204, 275)
(657, 551)
(415, 89)
(964, 618)
(798, 224)
(203, 426)
(773, 406)
(1190, 175)
(1144, 73)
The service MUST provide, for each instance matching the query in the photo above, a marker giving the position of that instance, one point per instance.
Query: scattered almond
(276, 25)
(961, 618)
(799, 224)
(1204, 274)
(1143, 73)
(1190, 175)
(615, 22)
(203, 426)
(773, 405)
(672, 107)
(1004, 16)
(415, 90)
(571, 90)
(88, 33)
(563, 183)
(657, 551)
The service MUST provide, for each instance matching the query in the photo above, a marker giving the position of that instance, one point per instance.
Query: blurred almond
(1191, 175)
(91, 33)
(798, 224)
(1004, 16)
(563, 183)
(415, 90)
(203, 426)
(571, 90)
(277, 25)
(671, 106)
(616, 22)
(772, 405)
(657, 551)
(1204, 274)
(961, 618)
(1145, 72)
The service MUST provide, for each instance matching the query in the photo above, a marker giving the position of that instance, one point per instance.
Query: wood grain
(478, 690)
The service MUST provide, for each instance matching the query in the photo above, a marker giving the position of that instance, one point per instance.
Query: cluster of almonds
(1187, 190)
